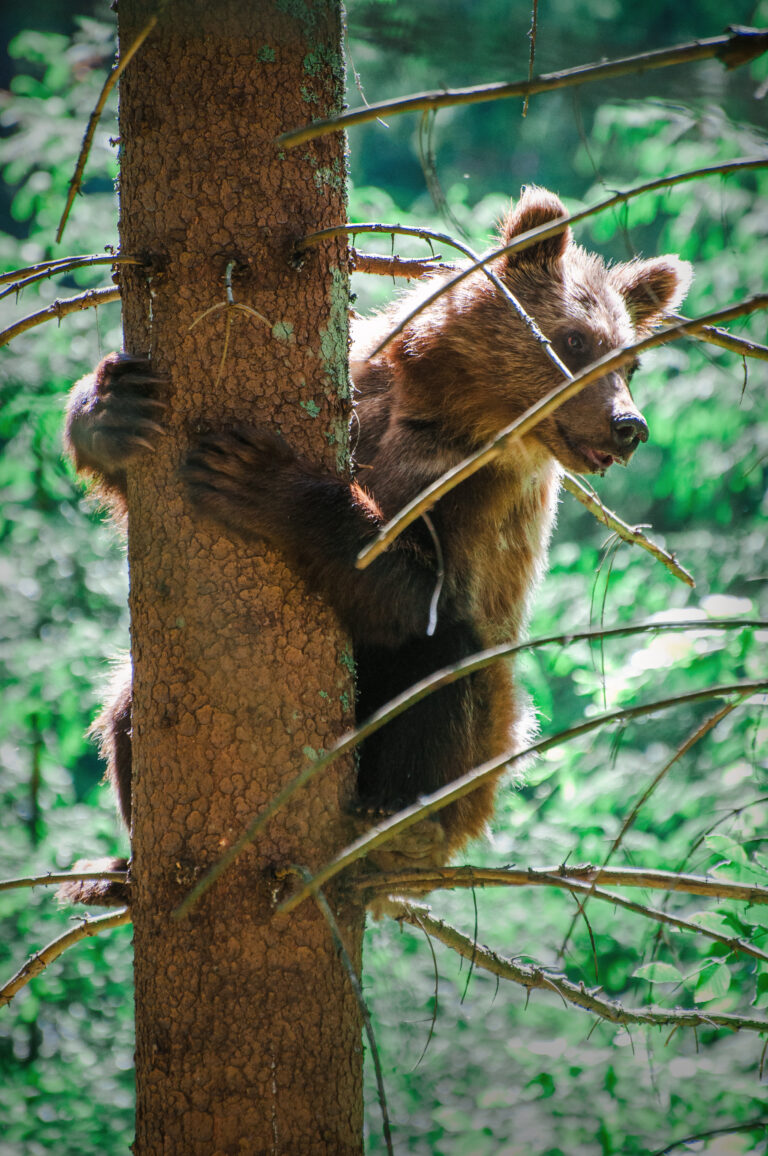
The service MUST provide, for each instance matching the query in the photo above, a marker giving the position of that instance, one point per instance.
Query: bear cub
(458, 372)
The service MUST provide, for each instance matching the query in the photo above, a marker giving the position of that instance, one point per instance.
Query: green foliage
(62, 605)
(497, 1077)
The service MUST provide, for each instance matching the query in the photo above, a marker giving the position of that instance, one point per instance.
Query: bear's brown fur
(458, 372)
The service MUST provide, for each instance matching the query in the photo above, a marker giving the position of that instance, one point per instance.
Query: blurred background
(498, 1077)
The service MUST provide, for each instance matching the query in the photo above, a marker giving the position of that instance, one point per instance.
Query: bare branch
(386, 830)
(546, 405)
(532, 977)
(729, 1130)
(109, 84)
(721, 337)
(62, 877)
(533, 236)
(631, 534)
(739, 47)
(733, 943)
(37, 963)
(567, 877)
(44, 269)
(409, 267)
(58, 309)
(354, 980)
(699, 733)
(410, 697)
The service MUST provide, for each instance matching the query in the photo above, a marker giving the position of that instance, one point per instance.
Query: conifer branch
(38, 962)
(632, 534)
(576, 877)
(95, 117)
(739, 46)
(394, 266)
(55, 877)
(386, 830)
(533, 977)
(47, 269)
(58, 309)
(410, 697)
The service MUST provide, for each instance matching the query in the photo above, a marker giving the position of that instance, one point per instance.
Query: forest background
(498, 1076)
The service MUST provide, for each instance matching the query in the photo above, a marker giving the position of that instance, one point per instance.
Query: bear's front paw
(122, 416)
(238, 477)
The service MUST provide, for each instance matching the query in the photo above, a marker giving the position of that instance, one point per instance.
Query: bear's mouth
(591, 459)
(599, 460)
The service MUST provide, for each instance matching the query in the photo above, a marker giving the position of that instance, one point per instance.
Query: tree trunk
(248, 1035)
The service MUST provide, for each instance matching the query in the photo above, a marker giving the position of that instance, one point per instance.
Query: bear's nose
(627, 430)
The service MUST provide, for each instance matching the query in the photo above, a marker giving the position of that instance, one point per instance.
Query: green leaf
(659, 973)
(713, 983)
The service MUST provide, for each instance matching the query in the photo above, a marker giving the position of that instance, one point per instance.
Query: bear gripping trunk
(248, 1034)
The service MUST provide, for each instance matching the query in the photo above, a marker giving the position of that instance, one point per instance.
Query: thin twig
(95, 117)
(410, 697)
(62, 877)
(566, 877)
(631, 534)
(23, 277)
(532, 236)
(532, 56)
(741, 345)
(394, 266)
(739, 47)
(551, 401)
(733, 943)
(37, 963)
(388, 828)
(58, 309)
(730, 1130)
(354, 981)
(699, 733)
(532, 977)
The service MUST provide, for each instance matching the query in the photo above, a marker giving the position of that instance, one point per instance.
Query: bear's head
(586, 309)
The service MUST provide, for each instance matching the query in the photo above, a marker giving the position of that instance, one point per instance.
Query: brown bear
(461, 370)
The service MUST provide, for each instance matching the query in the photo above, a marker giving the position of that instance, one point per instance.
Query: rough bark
(248, 1036)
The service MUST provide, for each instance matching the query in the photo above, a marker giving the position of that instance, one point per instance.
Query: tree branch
(569, 878)
(632, 534)
(62, 877)
(386, 830)
(47, 269)
(531, 977)
(394, 266)
(738, 47)
(740, 345)
(699, 733)
(95, 117)
(58, 309)
(37, 963)
(401, 703)
(410, 697)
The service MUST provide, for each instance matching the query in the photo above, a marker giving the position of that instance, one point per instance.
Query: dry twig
(737, 47)
(37, 963)
(62, 877)
(388, 828)
(58, 309)
(401, 703)
(531, 977)
(632, 534)
(567, 877)
(109, 84)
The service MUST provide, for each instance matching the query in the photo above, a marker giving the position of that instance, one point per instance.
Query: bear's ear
(535, 207)
(652, 288)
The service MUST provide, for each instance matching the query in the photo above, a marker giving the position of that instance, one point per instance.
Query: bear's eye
(576, 342)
